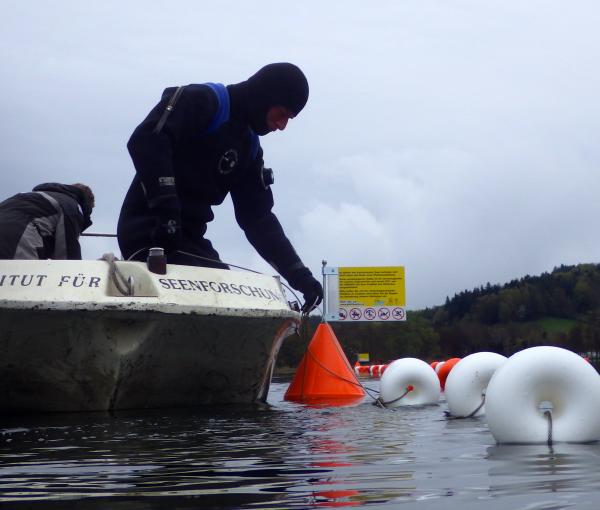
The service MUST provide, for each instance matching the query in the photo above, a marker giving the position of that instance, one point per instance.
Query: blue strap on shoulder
(222, 114)
(254, 145)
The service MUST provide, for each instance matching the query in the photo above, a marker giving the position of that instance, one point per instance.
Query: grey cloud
(458, 139)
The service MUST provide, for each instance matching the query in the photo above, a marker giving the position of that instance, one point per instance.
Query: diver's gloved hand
(312, 290)
(167, 232)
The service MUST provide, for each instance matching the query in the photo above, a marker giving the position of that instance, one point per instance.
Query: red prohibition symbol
(384, 314)
(370, 314)
(355, 314)
(398, 314)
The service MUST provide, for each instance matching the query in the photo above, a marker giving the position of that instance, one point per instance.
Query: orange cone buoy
(445, 370)
(324, 374)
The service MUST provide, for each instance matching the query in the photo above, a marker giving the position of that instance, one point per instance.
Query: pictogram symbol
(355, 314)
(398, 314)
(384, 314)
(370, 313)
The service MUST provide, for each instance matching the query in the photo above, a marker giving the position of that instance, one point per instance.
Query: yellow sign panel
(363, 357)
(372, 286)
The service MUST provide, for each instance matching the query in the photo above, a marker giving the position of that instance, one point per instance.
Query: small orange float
(445, 370)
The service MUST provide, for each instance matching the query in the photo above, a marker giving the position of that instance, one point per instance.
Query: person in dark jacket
(46, 222)
(197, 145)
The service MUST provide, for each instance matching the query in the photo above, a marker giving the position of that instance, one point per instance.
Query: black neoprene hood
(279, 84)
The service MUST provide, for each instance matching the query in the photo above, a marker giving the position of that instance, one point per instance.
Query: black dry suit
(199, 143)
(44, 224)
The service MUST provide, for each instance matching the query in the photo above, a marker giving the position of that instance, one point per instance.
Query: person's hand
(167, 232)
(313, 295)
(311, 289)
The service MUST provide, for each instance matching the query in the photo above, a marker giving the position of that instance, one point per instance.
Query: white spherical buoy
(544, 394)
(409, 381)
(467, 382)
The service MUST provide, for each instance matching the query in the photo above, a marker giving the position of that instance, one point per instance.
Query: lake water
(284, 455)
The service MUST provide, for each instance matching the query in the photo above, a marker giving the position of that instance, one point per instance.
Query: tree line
(560, 308)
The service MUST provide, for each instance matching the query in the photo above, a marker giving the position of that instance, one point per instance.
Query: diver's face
(278, 117)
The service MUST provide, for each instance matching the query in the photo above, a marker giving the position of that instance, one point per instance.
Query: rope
(303, 334)
(379, 402)
(548, 414)
(471, 415)
(208, 259)
(136, 253)
(342, 378)
(354, 383)
(123, 285)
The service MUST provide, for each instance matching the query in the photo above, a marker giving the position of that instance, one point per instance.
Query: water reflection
(542, 468)
(284, 455)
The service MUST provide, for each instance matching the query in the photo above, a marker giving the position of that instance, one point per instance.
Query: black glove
(312, 290)
(167, 232)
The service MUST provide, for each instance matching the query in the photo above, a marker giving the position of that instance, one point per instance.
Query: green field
(556, 325)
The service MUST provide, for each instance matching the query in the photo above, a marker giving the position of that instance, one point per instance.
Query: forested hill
(566, 292)
(557, 308)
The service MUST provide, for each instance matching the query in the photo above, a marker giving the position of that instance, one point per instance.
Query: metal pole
(94, 234)
(324, 318)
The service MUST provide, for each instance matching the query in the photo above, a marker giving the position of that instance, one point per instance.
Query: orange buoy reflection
(333, 498)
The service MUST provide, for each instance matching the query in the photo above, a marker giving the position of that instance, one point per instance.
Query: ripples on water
(284, 455)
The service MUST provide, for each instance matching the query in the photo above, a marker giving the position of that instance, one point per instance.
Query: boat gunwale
(147, 304)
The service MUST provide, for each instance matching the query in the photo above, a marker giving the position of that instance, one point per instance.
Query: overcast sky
(459, 139)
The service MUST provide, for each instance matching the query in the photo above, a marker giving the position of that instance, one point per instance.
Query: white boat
(97, 335)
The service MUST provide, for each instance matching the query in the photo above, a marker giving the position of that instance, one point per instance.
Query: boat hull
(67, 355)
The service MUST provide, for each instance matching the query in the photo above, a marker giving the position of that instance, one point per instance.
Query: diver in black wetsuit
(199, 143)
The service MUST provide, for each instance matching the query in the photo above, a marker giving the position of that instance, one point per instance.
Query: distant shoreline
(284, 371)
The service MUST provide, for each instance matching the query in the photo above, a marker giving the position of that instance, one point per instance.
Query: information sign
(365, 294)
